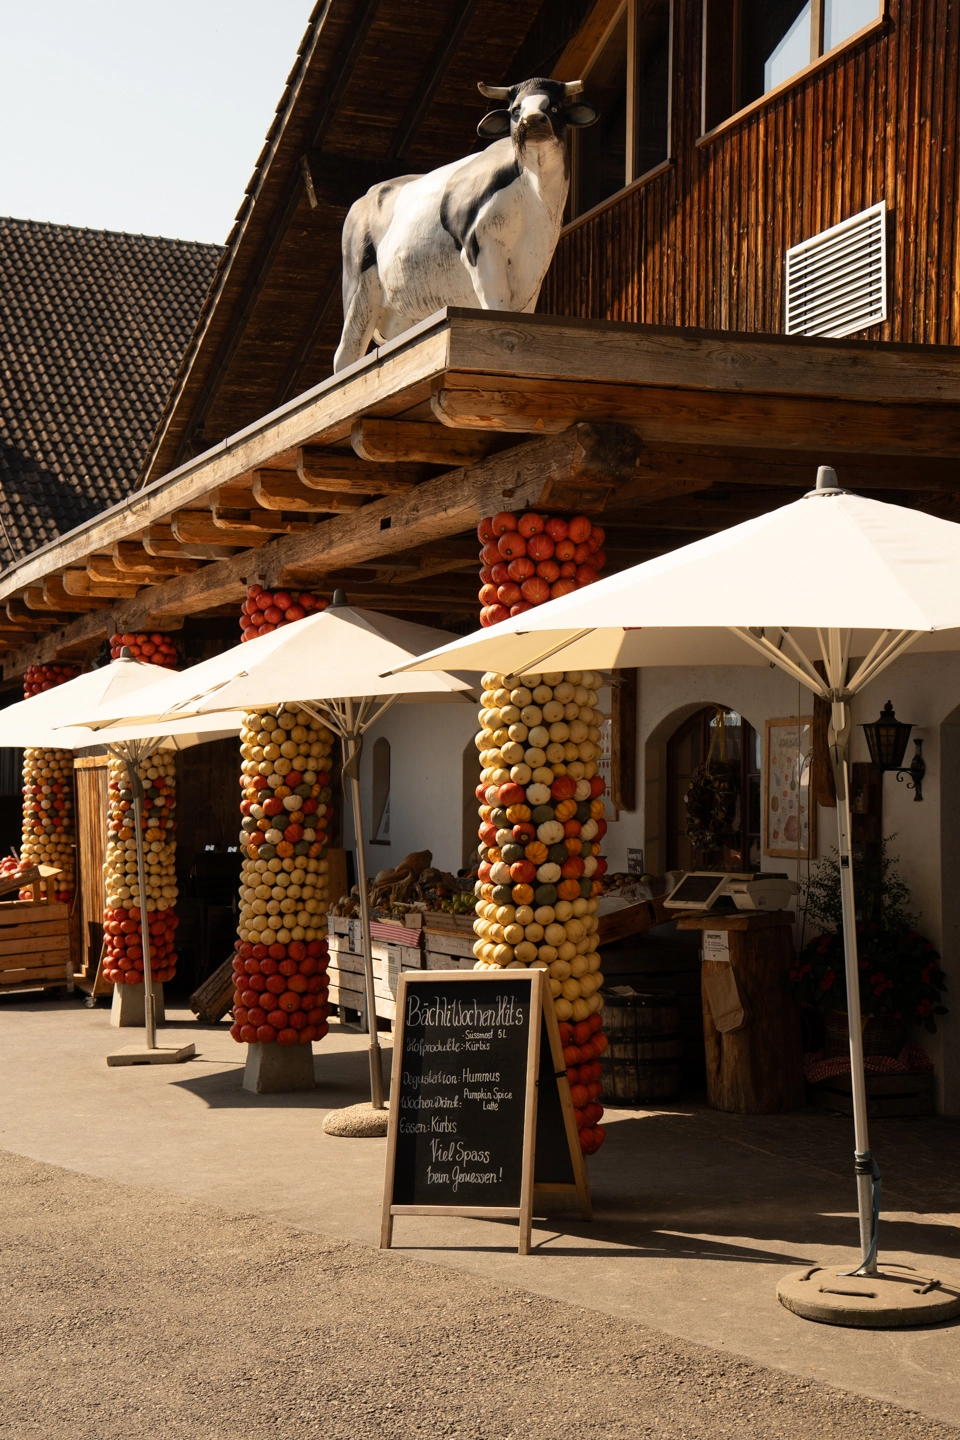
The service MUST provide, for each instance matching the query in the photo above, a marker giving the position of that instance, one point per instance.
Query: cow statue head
(536, 111)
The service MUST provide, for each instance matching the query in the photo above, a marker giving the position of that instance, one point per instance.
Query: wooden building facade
(655, 388)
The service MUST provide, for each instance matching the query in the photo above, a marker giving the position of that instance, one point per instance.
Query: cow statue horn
(493, 92)
(572, 89)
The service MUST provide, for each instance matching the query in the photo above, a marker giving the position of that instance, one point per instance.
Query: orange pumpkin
(597, 808)
(523, 894)
(566, 810)
(569, 889)
(536, 851)
(284, 848)
(516, 813)
(573, 845)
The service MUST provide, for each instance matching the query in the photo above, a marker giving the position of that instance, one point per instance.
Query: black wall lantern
(887, 739)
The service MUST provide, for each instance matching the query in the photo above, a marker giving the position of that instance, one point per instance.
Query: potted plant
(901, 982)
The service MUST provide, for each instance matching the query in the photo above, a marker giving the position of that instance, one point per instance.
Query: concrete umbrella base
(128, 1005)
(897, 1296)
(277, 1069)
(361, 1121)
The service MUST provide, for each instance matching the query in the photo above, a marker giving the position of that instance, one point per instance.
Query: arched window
(732, 747)
(380, 829)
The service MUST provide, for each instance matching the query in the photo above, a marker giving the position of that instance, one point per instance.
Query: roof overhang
(491, 411)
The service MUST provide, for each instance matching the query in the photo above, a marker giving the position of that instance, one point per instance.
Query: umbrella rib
(896, 646)
(801, 659)
(530, 665)
(760, 642)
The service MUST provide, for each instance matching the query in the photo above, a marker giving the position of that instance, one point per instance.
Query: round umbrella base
(896, 1296)
(357, 1120)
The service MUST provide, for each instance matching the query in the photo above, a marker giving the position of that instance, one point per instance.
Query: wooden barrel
(643, 1059)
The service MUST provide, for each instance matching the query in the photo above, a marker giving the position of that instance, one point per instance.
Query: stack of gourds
(48, 835)
(155, 648)
(542, 824)
(529, 559)
(285, 822)
(128, 896)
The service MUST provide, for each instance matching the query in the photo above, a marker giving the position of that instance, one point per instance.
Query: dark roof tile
(92, 326)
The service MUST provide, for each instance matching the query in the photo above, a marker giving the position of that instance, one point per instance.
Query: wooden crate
(211, 1000)
(888, 1096)
(34, 945)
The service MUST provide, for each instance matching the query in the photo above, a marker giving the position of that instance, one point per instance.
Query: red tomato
(530, 524)
(511, 544)
(504, 521)
(520, 568)
(535, 590)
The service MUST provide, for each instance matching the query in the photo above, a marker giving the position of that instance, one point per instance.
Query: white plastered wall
(426, 783)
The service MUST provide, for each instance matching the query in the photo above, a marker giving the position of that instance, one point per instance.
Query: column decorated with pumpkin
(541, 798)
(48, 835)
(131, 898)
(280, 963)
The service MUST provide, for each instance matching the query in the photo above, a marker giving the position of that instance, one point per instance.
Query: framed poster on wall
(790, 813)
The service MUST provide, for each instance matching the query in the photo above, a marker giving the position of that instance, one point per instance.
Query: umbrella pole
(149, 1004)
(350, 745)
(868, 1176)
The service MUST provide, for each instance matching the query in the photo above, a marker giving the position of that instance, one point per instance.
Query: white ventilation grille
(837, 280)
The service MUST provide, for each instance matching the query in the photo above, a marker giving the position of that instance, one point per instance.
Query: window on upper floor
(752, 46)
(628, 82)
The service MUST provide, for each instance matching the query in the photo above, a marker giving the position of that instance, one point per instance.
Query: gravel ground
(129, 1313)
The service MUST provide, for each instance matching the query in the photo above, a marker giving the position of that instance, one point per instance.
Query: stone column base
(128, 1006)
(273, 1069)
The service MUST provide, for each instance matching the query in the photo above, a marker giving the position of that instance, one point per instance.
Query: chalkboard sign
(480, 1109)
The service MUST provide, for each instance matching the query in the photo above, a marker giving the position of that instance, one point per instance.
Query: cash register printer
(701, 890)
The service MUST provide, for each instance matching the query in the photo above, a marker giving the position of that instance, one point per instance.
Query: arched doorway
(733, 746)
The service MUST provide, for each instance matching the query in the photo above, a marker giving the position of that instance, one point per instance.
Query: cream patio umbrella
(872, 579)
(46, 720)
(330, 665)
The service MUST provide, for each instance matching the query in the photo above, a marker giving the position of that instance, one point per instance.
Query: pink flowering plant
(900, 975)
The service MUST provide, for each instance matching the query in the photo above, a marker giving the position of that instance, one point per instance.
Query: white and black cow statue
(479, 233)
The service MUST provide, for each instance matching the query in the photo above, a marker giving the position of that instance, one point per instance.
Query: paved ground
(128, 1315)
(698, 1214)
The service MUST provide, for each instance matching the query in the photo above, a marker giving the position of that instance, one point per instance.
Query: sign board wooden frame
(540, 1064)
(789, 789)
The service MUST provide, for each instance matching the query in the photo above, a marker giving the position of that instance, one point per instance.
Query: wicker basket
(882, 1034)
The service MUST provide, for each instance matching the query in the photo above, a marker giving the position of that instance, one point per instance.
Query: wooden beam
(78, 582)
(18, 613)
(580, 49)
(160, 541)
(392, 441)
(697, 417)
(212, 528)
(130, 558)
(58, 597)
(281, 490)
(324, 469)
(772, 467)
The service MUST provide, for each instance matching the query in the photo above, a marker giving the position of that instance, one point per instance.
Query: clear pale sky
(145, 117)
